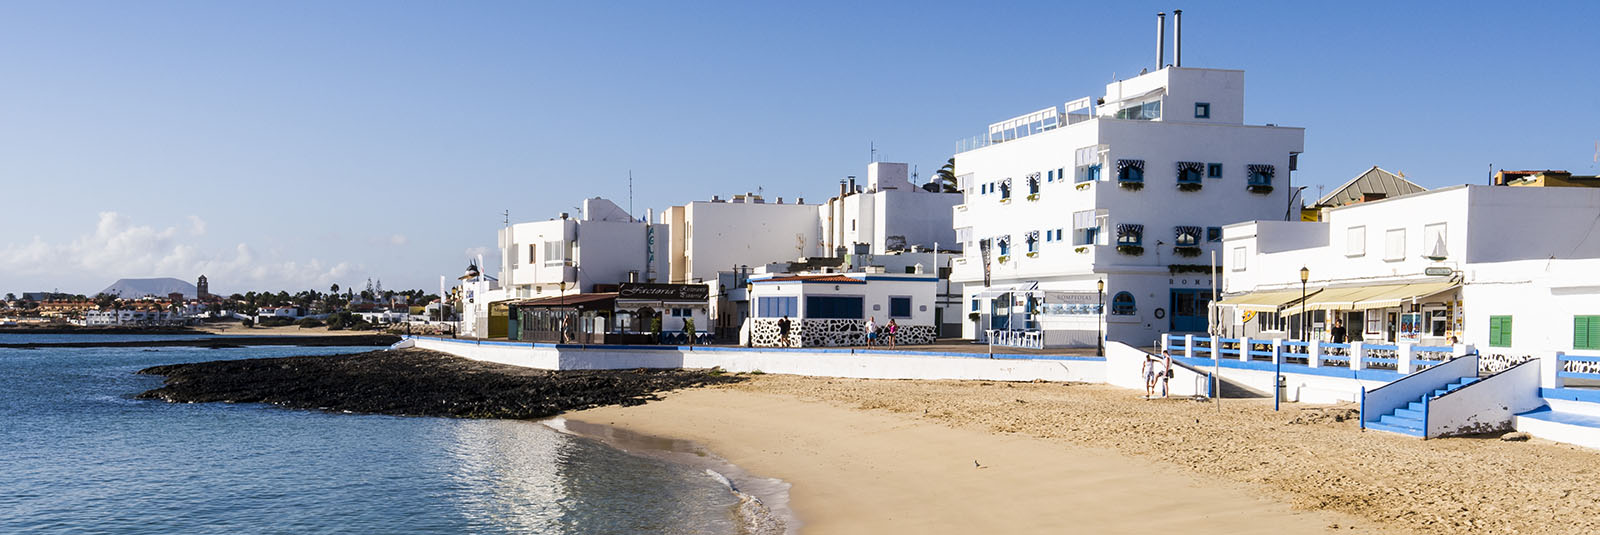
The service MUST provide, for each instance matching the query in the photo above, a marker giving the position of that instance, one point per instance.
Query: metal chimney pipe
(1177, 38)
(1161, 39)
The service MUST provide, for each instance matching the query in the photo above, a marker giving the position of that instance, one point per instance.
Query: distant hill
(136, 288)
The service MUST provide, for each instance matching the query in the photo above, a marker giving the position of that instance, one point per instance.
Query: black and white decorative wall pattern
(1499, 362)
(832, 333)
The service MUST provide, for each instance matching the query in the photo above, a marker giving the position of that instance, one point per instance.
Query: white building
(705, 237)
(890, 214)
(564, 255)
(1132, 192)
(1510, 270)
(831, 309)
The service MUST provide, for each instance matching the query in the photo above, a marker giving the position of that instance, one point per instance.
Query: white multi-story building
(1131, 192)
(1510, 270)
(891, 214)
(564, 255)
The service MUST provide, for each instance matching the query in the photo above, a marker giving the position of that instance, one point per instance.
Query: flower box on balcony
(1189, 186)
(1081, 250)
(1033, 254)
(1186, 251)
(1132, 185)
(1260, 188)
(1033, 196)
(1003, 258)
(1083, 185)
(1131, 250)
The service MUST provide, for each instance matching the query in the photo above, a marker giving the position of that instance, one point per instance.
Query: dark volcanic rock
(416, 382)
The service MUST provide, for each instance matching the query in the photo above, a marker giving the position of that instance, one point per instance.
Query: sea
(78, 454)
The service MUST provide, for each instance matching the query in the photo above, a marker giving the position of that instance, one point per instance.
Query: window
(1374, 319)
(1213, 234)
(1148, 111)
(687, 313)
(1033, 184)
(555, 253)
(1003, 243)
(1085, 228)
(833, 307)
(1058, 234)
(1355, 241)
(777, 307)
(1270, 322)
(1586, 332)
(1033, 241)
(1186, 236)
(1091, 173)
(1239, 258)
(1500, 331)
(1189, 172)
(1260, 174)
(516, 256)
(1122, 304)
(1050, 176)
(974, 305)
(1394, 247)
(1433, 241)
(1061, 173)
(900, 307)
(1130, 234)
(1202, 110)
(1130, 170)
(1005, 189)
(1213, 170)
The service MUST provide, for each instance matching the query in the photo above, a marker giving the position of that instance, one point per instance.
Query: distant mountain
(136, 288)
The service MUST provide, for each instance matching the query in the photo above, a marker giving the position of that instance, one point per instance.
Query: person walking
(872, 331)
(1338, 331)
(1149, 373)
(893, 329)
(783, 332)
(1166, 372)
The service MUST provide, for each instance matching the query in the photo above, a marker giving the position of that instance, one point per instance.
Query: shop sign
(666, 292)
(1438, 271)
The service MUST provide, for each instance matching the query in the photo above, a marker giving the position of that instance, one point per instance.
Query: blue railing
(1561, 367)
(1325, 358)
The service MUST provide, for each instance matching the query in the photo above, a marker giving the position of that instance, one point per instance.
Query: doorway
(1189, 310)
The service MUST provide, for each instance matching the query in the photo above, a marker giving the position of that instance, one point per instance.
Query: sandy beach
(235, 329)
(866, 456)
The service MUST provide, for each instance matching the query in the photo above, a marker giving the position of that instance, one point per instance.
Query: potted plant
(1189, 186)
(1131, 185)
(1130, 250)
(1262, 189)
(1186, 251)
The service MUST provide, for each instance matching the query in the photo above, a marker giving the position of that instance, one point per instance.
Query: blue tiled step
(1568, 418)
(1411, 431)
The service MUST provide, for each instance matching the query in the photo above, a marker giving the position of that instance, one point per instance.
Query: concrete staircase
(1412, 419)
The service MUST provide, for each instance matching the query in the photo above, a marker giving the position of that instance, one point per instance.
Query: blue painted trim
(1255, 353)
(1337, 346)
(1301, 369)
(1384, 347)
(1576, 375)
(1425, 416)
(1573, 394)
(1578, 358)
(1379, 360)
(1433, 348)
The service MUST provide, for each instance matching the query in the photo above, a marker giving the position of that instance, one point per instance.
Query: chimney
(1161, 39)
(563, 215)
(841, 188)
(852, 183)
(799, 200)
(1177, 38)
(780, 200)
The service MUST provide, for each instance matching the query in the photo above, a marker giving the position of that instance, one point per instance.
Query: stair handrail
(1483, 378)
(1462, 366)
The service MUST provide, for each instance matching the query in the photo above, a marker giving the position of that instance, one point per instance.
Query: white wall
(720, 235)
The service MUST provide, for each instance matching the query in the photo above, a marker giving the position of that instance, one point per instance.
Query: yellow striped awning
(1374, 296)
(1264, 301)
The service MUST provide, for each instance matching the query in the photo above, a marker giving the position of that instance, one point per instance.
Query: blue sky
(296, 144)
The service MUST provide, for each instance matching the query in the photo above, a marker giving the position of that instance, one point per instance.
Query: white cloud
(399, 239)
(119, 248)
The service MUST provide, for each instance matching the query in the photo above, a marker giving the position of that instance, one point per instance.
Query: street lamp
(1305, 275)
(1099, 333)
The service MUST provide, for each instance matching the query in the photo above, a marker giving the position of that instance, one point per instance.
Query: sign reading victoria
(664, 292)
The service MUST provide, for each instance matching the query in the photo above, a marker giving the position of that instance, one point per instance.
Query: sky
(293, 145)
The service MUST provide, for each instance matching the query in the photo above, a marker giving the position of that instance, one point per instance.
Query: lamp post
(1277, 361)
(1305, 275)
(1099, 328)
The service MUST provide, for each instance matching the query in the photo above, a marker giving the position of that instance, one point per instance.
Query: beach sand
(876, 456)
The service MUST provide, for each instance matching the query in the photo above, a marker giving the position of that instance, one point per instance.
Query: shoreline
(764, 501)
(858, 472)
(219, 342)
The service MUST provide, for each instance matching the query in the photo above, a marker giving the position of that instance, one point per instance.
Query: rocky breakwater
(417, 382)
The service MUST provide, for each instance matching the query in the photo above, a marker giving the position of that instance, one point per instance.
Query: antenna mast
(630, 195)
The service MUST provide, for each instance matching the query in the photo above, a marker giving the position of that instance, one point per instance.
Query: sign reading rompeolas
(666, 292)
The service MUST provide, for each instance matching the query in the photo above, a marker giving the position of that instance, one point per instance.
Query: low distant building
(635, 313)
(832, 309)
(1374, 184)
(288, 312)
(1545, 179)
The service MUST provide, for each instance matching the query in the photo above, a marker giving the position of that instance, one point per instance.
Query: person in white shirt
(872, 331)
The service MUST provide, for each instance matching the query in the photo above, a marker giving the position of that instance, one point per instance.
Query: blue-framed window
(1213, 234)
(1004, 245)
(1260, 175)
(1202, 110)
(1122, 304)
(1130, 234)
(842, 307)
(899, 307)
(1033, 241)
(1090, 173)
(1130, 170)
(1213, 170)
(1189, 172)
(1005, 189)
(1050, 176)
(1033, 184)
(777, 307)
(974, 305)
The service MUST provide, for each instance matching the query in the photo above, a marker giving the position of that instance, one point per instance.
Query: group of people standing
(1157, 372)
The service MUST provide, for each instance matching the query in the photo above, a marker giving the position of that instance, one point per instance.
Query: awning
(997, 291)
(1265, 301)
(1397, 296)
(1375, 296)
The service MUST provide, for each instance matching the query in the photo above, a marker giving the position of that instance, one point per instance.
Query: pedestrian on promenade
(872, 331)
(1149, 373)
(1166, 372)
(893, 329)
(1338, 331)
(783, 332)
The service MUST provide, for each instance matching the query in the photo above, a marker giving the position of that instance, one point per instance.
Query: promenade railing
(1397, 358)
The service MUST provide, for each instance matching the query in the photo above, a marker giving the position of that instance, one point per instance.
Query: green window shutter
(1500, 331)
(1586, 332)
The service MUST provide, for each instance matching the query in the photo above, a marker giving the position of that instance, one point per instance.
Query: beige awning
(1264, 301)
(1363, 297)
(1396, 296)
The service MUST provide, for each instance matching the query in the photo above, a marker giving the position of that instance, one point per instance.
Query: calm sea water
(79, 455)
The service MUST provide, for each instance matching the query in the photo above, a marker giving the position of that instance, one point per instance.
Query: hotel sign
(664, 292)
(1438, 271)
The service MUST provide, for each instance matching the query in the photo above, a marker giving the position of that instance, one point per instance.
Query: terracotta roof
(815, 278)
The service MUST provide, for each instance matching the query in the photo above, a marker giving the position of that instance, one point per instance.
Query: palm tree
(946, 177)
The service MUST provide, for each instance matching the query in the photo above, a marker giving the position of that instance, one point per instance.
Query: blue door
(1189, 309)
